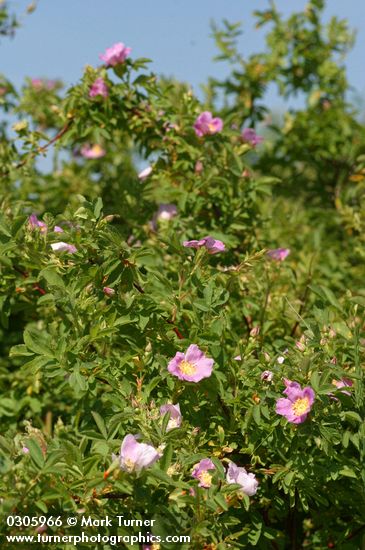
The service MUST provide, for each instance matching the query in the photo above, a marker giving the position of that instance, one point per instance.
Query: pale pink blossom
(206, 124)
(237, 474)
(145, 173)
(298, 403)
(63, 247)
(92, 152)
(175, 415)
(116, 54)
(135, 456)
(99, 87)
(249, 135)
(213, 246)
(200, 472)
(192, 365)
(278, 254)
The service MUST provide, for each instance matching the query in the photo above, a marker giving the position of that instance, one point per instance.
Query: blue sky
(61, 37)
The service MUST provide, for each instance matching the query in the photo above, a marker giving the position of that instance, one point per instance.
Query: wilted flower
(205, 124)
(213, 246)
(135, 456)
(343, 383)
(200, 472)
(93, 152)
(237, 474)
(108, 291)
(57, 229)
(278, 254)
(63, 247)
(99, 88)
(175, 415)
(116, 54)
(267, 375)
(237, 358)
(249, 135)
(145, 173)
(35, 222)
(191, 366)
(298, 403)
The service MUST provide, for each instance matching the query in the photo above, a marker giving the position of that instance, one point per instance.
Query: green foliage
(86, 335)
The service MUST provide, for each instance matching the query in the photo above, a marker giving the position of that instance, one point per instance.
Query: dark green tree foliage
(87, 333)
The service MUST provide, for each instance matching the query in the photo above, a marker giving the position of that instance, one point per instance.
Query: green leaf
(52, 277)
(100, 424)
(35, 452)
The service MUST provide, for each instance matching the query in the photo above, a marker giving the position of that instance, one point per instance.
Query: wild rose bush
(182, 300)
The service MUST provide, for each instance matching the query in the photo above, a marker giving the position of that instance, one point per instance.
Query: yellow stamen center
(172, 423)
(187, 368)
(205, 478)
(211, 127)
(129, 464)
(301, 406)
(96, 149)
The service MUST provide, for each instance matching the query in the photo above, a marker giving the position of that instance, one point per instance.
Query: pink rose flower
(63, 247)
(298, 403)
(175, 415)
(248, 482)
(278, 254)
(213, 246)
(200, 471)
(115, 55)
(191, 366)
(99, 88)
(205, 124)
(135, 456)
(249, 135)
(34, 222)
(93, 152)
(145, 173)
